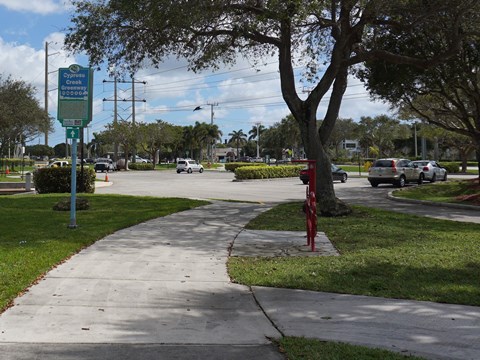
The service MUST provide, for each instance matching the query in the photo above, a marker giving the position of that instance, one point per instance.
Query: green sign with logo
(75, 96)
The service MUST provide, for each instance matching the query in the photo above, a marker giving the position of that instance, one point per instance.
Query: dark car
(337, 174)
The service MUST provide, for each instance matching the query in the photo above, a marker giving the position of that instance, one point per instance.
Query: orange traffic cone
(7, 171)
(106, 177)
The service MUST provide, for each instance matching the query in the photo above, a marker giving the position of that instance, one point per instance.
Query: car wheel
(344, 178)
(374, 184)
(421, 178)
(401, 182)
(445, 177)
(305, 182)
(178, 171)
(200, 171)
(434, 177)
(189, 170)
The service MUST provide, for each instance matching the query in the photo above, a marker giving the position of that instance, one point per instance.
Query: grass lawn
(311, 349)
(162, 166)
(34, 237)
(11, 179)
(383, 253)
(460, 192)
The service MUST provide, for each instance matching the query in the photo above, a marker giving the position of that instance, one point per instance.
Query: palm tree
(253, 132)
(213, 134)
(188, 138)
(238, 137)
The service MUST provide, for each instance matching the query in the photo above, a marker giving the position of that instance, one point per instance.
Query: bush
(140, 166)
(267, 172)
(58, 180)
(452, 167)
(235, 165)
(15, 163)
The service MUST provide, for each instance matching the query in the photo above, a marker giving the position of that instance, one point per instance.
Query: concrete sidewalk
(160, 290)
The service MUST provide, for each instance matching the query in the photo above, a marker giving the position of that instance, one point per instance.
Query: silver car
(431, 170)
(397, 172)
(189, 166)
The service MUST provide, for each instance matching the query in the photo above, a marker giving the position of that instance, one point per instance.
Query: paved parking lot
(221, 185)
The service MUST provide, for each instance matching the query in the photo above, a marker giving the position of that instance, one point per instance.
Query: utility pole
(258, 139)
(212, 114)
(115, 106)
(46, 87)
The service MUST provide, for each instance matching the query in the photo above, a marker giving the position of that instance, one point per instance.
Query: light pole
(258, 139)
(211, 146)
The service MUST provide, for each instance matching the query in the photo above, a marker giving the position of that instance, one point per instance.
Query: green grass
(34, 237)
(165, 166)
(383, 253)
(4, 178)
(311, 349)
(352, 168)
(452, 192)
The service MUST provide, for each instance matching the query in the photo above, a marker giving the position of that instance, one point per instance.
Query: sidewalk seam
(265, 313)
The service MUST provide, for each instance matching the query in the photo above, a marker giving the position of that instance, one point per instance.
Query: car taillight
(394, 169)
(425, 168)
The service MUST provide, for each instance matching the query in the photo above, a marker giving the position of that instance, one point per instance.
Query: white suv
(189, 166)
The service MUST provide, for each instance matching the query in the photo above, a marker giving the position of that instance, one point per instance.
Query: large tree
(327, 36)
(447, 95)
(21, 117)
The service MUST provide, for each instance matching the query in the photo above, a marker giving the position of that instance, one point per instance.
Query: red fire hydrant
(311, 202)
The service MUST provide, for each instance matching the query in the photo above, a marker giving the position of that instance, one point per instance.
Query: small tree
(124, 133)
(238, 138)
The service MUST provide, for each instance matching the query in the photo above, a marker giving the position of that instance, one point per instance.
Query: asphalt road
(221, 185)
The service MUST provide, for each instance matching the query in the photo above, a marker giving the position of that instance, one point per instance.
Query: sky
(242, 96)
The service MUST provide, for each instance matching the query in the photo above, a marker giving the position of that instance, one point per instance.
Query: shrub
(235, 165)
(58, 180)
(140, 166)
(452, 167)
(267, 172)
(15, 163)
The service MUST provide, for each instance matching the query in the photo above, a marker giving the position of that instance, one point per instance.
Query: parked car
(397, 172)
(105, 164)
(189, 166)
(337, 174)
(431, 170)
(59, 163)
(139, 159)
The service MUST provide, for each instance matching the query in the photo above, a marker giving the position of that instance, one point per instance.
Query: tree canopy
(21, 117)
(327, 37)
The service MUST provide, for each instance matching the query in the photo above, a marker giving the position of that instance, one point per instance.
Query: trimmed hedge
(233, 166)
(140, 166)
(452, 167)
(58, 180)
(13, 163)
(267, 172)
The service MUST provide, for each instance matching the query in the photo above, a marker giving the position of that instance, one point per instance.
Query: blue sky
(243, 95)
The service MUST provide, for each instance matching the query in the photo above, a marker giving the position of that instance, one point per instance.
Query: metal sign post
(74, 113)
(73, 190)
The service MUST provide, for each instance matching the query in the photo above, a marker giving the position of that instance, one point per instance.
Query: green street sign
(73, 133)
(75, 95)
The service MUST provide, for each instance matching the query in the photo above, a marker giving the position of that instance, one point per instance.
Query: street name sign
(74, 96)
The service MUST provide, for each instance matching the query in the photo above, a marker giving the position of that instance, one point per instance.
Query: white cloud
(23, 62)
(35, 6)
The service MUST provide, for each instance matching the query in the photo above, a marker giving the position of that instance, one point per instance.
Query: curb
(431, 203)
